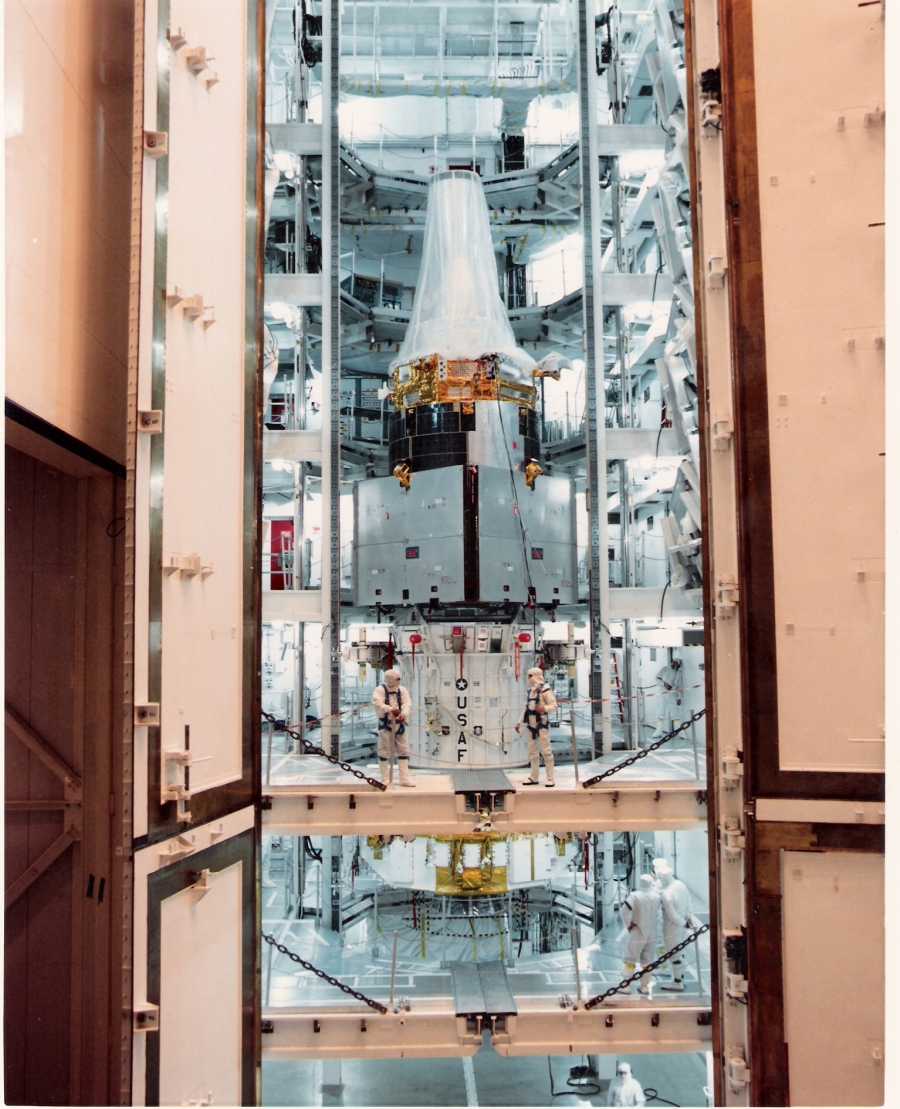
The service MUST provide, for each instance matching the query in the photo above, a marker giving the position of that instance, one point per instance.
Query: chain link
(645, 752)
(646, 970)
(311, 749)
(282, 950)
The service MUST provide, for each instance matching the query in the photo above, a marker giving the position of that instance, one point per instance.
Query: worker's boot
(644, 986)
(387, 770)
(677, 983)
(403, 767)
(548, 767)
(532, 779)
(660, 728)
(629, 970)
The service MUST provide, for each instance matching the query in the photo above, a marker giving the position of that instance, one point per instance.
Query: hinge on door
(145, 1017)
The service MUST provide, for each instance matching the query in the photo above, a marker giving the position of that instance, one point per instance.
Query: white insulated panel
(821, 179)
(833, 905)
(203, 477)
(200, 994)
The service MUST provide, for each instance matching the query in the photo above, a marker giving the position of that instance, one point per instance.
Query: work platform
(321, 799)
(538, 1027)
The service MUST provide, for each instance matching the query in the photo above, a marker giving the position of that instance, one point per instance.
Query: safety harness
(387, 721)
(536, 719)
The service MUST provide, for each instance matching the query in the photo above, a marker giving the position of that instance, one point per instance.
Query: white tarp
(457, 311)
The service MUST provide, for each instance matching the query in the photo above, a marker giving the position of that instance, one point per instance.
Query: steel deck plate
(480, 780)
(480, 989)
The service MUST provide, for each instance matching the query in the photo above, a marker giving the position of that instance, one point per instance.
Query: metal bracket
(150, 421)
(723, 430)
(201, 887)
(732, 767)
(156, 143)
(178, 848)
(145, 1017)
(715, 271)
(732, 838)
(727, 596)
(177, 38)
(147, 715)
(738, 1074)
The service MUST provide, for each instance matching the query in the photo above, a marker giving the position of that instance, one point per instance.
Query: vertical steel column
(331, 373)
(595, 422)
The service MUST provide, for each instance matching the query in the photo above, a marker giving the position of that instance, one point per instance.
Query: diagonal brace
(41, 864)
(39, 746)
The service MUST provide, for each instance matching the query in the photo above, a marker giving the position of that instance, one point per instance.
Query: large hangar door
(193, 612)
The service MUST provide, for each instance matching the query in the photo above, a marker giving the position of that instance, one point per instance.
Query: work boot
(387, 770)
(629, 970)
(644, 986)
(405, 779)
(676, 985)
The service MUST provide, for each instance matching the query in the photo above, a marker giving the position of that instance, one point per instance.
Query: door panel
(200, 991)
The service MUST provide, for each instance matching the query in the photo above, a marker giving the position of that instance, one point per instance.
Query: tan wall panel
(68, 73)
(823, 268)
(834, 976)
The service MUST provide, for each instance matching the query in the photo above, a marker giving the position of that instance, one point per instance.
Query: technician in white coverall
(536, 718)
(625, 1090)
(392, 707)
(677, 920)
(669, 683)
(640, 914)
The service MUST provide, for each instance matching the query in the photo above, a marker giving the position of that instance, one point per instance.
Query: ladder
(616, 683)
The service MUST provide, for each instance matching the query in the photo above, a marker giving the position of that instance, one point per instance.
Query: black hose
(652, 1095)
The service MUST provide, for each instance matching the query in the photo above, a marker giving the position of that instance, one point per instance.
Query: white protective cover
(457, 311)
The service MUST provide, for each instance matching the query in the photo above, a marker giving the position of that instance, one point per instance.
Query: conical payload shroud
(457, 312)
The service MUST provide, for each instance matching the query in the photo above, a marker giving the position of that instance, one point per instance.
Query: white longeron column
(331, 385)
(593, 355)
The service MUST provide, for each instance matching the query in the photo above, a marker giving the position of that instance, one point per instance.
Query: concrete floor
(492, 1080)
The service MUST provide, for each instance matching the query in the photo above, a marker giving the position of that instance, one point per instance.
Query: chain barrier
(636, 977)
(643, 753)
(312, 749)
(282, 950)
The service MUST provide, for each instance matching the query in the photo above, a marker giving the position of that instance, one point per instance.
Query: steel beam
(302, 289)
(302, 606)
(342, 809)
(298, 138)
(431, 1028)
(294, 446)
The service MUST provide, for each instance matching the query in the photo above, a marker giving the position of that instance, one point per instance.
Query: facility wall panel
(821, 194)
(833, 906)
(68, 137)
